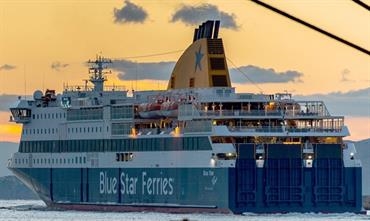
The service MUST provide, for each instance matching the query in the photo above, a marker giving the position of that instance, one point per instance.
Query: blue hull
(281, 187)
(276, 188)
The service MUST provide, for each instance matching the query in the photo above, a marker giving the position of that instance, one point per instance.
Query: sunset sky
(44, 44)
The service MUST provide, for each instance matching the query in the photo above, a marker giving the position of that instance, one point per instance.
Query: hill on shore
(6, 151)
(15, 189)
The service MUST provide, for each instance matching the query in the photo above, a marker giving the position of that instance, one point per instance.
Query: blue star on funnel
(198, 57)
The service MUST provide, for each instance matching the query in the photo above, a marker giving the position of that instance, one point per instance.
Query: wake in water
(23, 205)
(28, 210)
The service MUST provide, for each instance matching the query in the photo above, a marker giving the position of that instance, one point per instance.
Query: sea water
(34, 210)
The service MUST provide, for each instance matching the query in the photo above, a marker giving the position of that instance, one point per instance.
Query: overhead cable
(312, 26)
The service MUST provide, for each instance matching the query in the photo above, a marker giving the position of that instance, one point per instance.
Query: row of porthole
(76, 160)
(49, 116)
(40, 131)
(85, 129)
(70, 130)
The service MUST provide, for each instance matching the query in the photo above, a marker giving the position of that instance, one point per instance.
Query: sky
(45, 44)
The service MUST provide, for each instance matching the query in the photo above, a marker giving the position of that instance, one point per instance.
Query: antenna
(136, 76)
(25, 80)
(43, 81)
(85, 85)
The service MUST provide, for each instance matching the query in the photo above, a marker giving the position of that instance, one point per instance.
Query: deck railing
(278, 129)
(239, 113)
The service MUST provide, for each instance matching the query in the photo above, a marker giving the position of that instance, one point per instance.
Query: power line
(362, 4)
(311, 26)
(152, 55)
(245, 75)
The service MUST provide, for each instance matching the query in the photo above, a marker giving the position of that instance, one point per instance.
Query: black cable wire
(245, 75)
(151, 55)
(311, 26)
(360, 3)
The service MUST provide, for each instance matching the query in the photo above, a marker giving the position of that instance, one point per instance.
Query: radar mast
(97, 72)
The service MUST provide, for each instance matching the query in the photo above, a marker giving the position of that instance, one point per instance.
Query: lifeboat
(169, 109)
(149, 110)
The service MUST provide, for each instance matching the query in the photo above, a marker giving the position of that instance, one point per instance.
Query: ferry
(198, 146)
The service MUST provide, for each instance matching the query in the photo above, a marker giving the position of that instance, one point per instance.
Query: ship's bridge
(21, 113)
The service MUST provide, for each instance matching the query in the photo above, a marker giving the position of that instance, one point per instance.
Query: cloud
(262, 75)
(56, 65)
(191, 15)
(7, 100)
(6, 67)
(351, 103)
(129, 13)
(129, 70)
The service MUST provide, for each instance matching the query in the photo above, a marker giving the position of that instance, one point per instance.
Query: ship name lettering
(107, 185)
(128, 184)
(157, 185)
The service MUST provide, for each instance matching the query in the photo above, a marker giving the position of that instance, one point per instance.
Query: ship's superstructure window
(20, 113)
(85, 114)
(121, 128)
(128, 144)
(121, 112)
